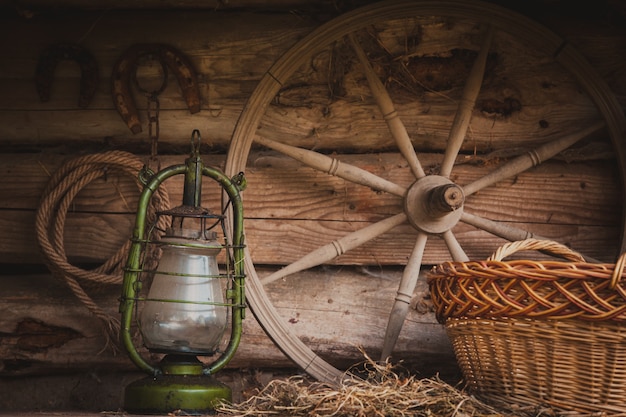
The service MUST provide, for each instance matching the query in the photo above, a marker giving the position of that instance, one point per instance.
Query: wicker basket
(537, 333)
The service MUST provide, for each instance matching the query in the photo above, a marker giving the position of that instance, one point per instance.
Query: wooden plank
(275, 181)
(285, 203)
(94, 238)
(115, 191)
(38, 307)
(354, 121)
(230, 63)
(577, 203)
(206, 36)
(277, 242)
(281, 188)
(45, 329)
(105, 129)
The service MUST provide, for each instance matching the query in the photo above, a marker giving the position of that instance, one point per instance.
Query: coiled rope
(51, 215)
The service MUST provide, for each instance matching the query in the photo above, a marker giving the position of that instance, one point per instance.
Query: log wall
(45, 330)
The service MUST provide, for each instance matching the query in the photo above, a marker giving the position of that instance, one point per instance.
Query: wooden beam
(46, 330)
(230, 63)
(285, 203)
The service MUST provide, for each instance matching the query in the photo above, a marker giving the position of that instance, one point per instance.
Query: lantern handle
(195, 142)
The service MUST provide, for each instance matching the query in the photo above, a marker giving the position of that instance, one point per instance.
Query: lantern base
(165, 394)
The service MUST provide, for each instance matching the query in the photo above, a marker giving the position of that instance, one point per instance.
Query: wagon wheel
(436, 202)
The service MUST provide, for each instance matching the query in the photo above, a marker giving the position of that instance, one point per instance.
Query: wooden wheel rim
(499, 18)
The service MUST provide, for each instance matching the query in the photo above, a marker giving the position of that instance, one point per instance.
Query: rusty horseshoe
(171, 59)
(47, 64)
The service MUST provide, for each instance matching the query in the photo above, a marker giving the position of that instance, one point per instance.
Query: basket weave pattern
(529, 289)
(537, 333)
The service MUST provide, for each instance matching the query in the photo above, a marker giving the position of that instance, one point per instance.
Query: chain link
(153, 109)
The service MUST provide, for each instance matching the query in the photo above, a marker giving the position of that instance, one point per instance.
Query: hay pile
(379, 391)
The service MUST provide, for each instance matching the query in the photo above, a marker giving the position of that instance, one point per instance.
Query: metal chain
(153, 109)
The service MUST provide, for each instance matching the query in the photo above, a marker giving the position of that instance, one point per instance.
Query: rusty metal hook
(173, 59)
(47, 64)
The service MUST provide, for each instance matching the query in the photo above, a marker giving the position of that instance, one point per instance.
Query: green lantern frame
(182, 382)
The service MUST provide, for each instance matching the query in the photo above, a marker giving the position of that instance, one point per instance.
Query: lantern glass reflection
(184, 311)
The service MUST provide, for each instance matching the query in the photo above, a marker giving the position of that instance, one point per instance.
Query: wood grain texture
(45, 330)
(230, 63)
(286, 203)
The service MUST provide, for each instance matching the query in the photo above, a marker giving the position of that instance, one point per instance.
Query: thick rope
(56, 199)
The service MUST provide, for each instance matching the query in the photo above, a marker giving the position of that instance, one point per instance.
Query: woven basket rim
(571, 288)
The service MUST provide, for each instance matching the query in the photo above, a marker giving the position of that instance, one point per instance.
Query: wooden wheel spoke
(498, 228)
(466, 106)
(505, 231)
(403, 296)
(532, 158)
(338, 247)
(335, 167)
(457, 252)
(390, 114)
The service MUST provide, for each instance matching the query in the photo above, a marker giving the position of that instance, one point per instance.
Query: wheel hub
(434, 204)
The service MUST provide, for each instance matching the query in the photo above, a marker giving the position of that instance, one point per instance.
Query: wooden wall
(44, 329)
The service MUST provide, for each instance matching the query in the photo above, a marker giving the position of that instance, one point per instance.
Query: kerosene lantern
(178, 297)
